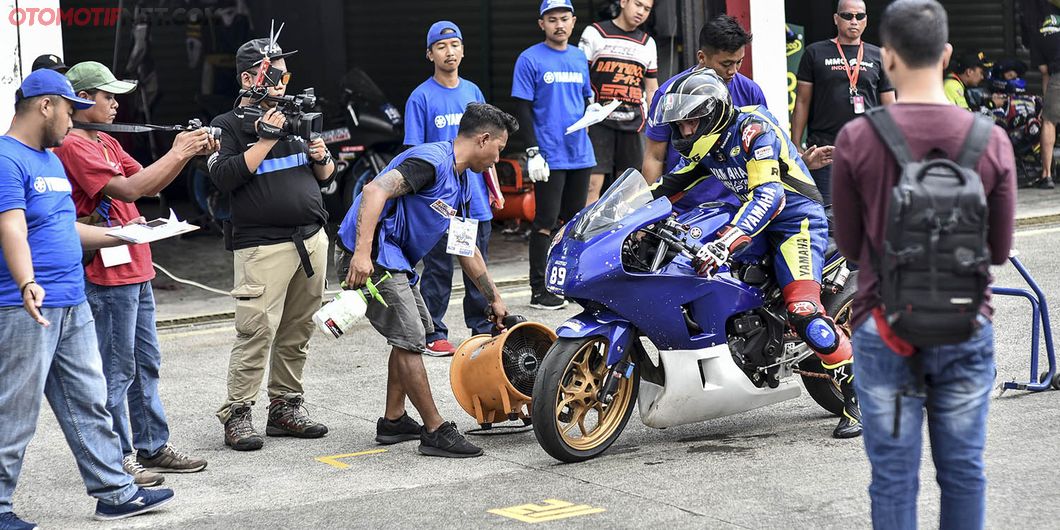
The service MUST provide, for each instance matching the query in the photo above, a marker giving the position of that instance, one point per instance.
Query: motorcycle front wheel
(570, 422)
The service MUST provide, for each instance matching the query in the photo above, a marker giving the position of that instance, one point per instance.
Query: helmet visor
(673, 107)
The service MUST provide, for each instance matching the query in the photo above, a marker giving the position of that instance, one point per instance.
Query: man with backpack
(921, 318)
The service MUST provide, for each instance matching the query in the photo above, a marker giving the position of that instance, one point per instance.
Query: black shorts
(616, 151)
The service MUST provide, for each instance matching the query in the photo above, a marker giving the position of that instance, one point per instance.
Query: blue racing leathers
(755, 159)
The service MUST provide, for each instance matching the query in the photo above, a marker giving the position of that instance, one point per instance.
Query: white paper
(153, 230)
(114, 256)
(462, 236)
(594, 114)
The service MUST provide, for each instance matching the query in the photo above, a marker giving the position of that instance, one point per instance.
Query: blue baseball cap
(436, 34)
(46, 82)
(549, 5)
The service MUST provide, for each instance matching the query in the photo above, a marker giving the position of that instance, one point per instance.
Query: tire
(825, 391)
(553, 422)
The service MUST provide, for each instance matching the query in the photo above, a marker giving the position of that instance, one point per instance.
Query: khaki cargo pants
(275, 303)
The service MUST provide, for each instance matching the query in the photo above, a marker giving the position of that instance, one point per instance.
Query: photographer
(106, 182)
(280, 249)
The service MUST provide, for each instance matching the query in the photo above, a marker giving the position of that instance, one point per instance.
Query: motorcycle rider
(781, 209)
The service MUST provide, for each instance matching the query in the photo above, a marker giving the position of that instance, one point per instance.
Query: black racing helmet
(698, 94)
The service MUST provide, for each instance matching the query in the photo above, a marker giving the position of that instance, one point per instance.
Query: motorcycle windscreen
(627, 194)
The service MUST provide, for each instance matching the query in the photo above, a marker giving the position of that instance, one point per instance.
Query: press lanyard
(852, 76)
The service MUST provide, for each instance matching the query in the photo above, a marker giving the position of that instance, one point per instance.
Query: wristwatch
(324, 161)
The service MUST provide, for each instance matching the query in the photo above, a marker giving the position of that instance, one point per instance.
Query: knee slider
(814, 327)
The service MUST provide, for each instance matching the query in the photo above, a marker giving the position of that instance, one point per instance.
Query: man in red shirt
(106, 182)
(958, 377)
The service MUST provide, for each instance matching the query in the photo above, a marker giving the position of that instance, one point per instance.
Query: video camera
(300, 121)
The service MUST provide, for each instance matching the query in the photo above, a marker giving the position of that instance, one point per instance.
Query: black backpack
(935, 267)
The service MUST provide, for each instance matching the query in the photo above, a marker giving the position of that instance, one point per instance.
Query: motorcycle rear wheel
(571, 424)
(825, 391)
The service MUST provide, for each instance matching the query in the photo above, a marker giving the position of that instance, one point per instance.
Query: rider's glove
(713, 255)
(536, 167)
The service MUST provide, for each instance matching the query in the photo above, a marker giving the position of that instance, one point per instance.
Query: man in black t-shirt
(272, 179)
(831, 92)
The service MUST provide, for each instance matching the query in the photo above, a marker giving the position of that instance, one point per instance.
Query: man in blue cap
(432, 114)
(41, 282)
(551, 87)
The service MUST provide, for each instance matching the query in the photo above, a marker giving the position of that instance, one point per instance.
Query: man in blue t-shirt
(722, 43)
(41, 283)
(397, 219)
(432, 114)
(551, 88)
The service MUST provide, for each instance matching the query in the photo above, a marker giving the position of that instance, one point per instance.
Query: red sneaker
(440, 348)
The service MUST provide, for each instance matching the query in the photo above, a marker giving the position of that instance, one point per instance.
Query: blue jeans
(61, 362)
(128, 344)
(436, 285)
(959, 379)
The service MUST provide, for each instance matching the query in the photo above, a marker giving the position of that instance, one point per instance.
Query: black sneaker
(402, 429)
(447, 442)
(547, 300)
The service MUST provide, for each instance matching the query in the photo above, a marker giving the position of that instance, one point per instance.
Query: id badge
(462, 236)
(859, 104)
(114, 256)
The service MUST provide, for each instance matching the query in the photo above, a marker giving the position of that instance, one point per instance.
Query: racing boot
(850, 421)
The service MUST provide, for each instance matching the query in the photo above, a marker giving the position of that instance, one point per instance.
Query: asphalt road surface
(775, 467)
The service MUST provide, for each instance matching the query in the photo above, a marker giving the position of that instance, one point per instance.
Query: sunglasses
(274, 76)
(852, 16)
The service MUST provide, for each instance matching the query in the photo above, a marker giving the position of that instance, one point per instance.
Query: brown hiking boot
(141, 476)
(239, 430)
(169, 460)
(287, 417)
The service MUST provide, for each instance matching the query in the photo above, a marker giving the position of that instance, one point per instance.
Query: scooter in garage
(723, 341)
(368, 136)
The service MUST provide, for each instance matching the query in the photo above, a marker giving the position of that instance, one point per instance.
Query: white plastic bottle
(347, 308)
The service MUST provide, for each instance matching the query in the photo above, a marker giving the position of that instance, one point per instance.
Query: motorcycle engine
(756, 340)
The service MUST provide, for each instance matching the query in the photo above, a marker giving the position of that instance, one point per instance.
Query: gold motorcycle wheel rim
(583, 421)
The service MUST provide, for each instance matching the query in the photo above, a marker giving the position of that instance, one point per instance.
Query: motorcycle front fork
(615, 374)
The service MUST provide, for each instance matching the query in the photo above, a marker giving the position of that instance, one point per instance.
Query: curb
(171, 323)
(1038, 220)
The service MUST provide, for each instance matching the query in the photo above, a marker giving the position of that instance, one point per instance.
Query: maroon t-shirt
(865, 172)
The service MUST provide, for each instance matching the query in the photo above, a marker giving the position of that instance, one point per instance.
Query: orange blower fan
(493, 376)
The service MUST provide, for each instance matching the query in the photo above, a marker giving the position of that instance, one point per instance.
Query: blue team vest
(411, 225)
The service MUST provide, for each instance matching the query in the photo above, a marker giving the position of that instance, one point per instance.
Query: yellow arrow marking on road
(333, 460)
(548, 510)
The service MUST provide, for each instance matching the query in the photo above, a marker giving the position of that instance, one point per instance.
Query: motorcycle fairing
(657, 302)
(704, 384)
(612, 327)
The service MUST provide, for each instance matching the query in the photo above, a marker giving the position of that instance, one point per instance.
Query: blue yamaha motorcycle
(724, 343)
